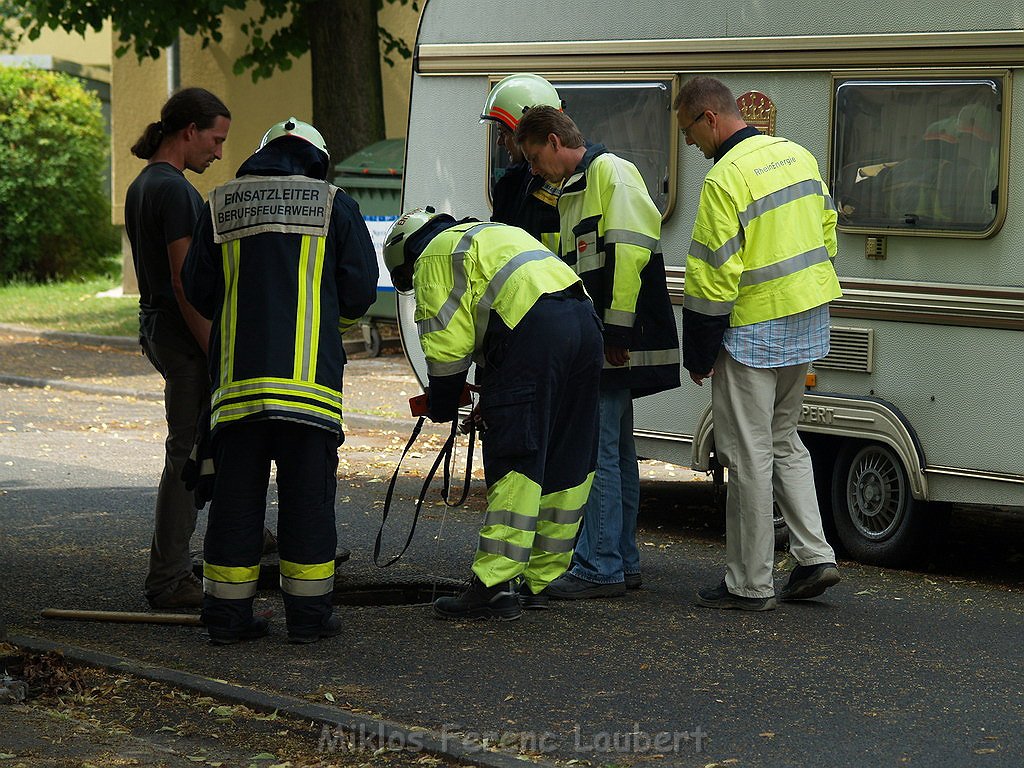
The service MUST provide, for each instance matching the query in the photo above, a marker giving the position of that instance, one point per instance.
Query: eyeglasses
(695, 120)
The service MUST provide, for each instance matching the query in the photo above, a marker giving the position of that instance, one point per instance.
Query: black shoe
(330, 628)
(569, 587)
(633, 581)
(481, 602)
(530, 601)
(808, 581)
(721, 597)
(257, 628)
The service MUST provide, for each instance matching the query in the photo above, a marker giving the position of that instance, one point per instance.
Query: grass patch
(72, 306)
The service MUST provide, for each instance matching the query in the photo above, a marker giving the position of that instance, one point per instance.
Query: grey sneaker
(187, 593)
(807, 581)
(721, 597)
(633, 581)
(569, 587)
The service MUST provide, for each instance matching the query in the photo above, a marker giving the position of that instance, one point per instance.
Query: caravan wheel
(877, 518)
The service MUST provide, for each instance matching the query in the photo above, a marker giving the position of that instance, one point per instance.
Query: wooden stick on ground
(129, 617)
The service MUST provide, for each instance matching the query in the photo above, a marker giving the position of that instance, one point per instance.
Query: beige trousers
(755, 413)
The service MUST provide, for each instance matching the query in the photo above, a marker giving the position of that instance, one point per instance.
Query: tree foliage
(54, 210)
(277, 31)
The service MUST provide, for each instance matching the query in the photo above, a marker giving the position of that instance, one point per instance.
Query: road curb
(360, 728)
(76, 386)
(119, 342)
(355, 420)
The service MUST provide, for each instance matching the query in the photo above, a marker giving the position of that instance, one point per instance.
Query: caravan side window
(632, 119)
(918, 155)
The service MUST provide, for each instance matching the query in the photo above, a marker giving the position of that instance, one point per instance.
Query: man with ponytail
(161, 208)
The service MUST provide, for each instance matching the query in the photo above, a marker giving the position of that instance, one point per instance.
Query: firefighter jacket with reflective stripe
(610, 235)
(283, 265)
(763, 244)
(463, 275)
(527, 201)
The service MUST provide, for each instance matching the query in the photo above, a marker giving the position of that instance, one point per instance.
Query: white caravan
(909, 110)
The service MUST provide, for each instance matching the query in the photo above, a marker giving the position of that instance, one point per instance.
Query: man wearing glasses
(759, 276)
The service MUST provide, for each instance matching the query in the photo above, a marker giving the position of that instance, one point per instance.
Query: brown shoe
(188, 593)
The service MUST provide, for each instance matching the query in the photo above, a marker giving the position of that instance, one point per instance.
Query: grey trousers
(755, 413)
(186, 389)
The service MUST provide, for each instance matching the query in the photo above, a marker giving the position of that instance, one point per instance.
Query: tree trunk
(348, 103)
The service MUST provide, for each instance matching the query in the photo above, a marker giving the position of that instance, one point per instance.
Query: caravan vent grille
(852, 349)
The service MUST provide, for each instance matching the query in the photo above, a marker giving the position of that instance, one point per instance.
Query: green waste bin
(373, 177)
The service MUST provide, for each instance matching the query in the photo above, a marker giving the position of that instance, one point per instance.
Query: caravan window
(633, 119)
(917, 154)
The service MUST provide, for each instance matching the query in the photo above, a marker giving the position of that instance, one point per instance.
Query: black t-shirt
(161, 206)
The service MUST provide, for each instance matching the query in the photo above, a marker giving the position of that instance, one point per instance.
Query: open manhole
(398, 592)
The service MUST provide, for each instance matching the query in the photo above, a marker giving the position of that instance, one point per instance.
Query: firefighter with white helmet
(297, 128)
(491, 294)
(520, 198)
(283, 264)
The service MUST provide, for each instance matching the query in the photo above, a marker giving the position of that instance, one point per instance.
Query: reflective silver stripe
(449, 369)
(307, 587)
(483, 309)
(785, 267)
(707, 306)
(830, 204)
(589, 263)
(229, 591)
(451, 304)
(548, 544)
(720, 255)
(649, 357)
(628, 237)
(277, 386)
(512, 519)
(619, 317)
(560, 516)
(504, 549)
(780, 197)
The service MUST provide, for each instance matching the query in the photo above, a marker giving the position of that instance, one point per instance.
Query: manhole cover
(394, 592)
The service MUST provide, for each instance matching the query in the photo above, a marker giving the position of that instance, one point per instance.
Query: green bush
(54, 211)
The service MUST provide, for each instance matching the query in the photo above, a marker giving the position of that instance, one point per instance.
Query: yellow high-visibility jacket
(610, 235)
(763, 245)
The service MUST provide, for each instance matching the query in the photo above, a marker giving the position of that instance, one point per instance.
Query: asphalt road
(889, 668)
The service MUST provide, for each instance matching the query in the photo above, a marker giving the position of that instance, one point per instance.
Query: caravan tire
(877, 519)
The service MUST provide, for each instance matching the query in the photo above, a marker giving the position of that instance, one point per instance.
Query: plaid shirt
(799, 338)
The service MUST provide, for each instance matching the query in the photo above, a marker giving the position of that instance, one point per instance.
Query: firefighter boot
(481, 602)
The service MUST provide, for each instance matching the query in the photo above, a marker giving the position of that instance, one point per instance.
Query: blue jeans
(606, 549)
